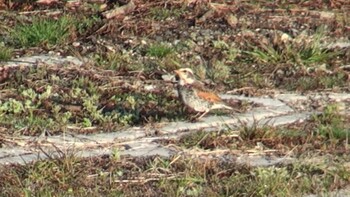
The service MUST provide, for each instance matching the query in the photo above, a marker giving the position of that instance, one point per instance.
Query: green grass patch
(121, 62)
(159, 50)
(338, 79)
(161, 13)
(219, 71)
(43, 31)
(303, 50)
(305, 83)
(307, 55)
(316, 81)
(193, 139)
(5, 52)
(332, 125)
(86, 23)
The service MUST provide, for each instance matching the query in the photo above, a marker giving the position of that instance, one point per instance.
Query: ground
(130, 48)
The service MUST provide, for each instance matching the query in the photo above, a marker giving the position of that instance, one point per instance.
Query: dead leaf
(103, 7)
(220, 10)
(46, 2)
(120, 12)
(73, 4)
(73, 108)
(206, 16)
(195, 2)
(4, 74)
(231, 20)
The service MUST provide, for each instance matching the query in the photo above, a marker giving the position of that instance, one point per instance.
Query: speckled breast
(189, 97)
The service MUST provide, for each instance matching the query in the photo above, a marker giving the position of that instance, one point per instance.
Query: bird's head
(185, 76)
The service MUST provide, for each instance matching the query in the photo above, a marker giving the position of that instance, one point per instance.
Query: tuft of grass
(159, 50)
(271, 181)
(307, 83)
(336, 80)
(301, 51)
(256, 130)
(86, 23)
(160, 13)
(43, 31)
(5, 52)
(230, 52)
(193, 139)
(312, 51)
(331, 124)
(219, 71)
(317, 81)
(122, 61)
(266, 54)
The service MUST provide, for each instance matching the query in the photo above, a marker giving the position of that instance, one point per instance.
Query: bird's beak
(177, 75)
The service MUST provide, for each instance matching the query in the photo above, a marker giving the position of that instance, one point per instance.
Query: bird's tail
(227, 107)
(221, 106)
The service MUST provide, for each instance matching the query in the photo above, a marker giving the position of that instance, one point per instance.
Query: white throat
(183, 82)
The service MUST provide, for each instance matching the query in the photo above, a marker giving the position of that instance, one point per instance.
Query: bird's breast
(190, 98)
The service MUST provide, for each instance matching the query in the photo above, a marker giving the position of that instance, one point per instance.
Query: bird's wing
(209, 96)
(198, 85)
(203, 93)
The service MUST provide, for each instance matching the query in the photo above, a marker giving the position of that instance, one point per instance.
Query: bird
(193, 94)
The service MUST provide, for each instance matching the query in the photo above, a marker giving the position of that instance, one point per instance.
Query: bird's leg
(204, 113)
(195, 117)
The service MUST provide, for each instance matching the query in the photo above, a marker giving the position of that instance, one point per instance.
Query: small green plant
(256, 130)
(302, 51)
(193, 139)
(90, 104)
(219, 71)
(86, 23)
(22, 114)
(43, 31)
(11, 106)
(266, 54)
(311, 52)
(336, 80)
(121, 61)
(116, 154)
(159, 13)
(5, 52)
(159, 50)
(331, 124)
(86, 122)
(305, 83)
(271, 181)
(159, 163)
(170, 62)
